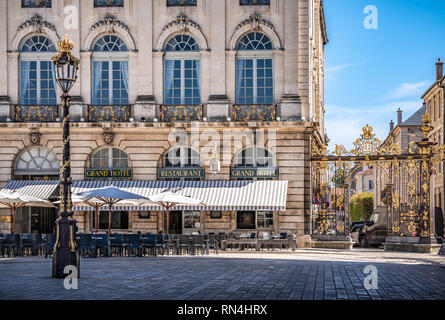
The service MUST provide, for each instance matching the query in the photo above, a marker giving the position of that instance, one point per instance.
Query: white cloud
(408, 89)
(330, 73)
(344, 125)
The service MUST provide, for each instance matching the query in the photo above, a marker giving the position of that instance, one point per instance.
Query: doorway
(175, 223)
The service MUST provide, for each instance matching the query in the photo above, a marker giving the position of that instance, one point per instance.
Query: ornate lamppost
(64, 253)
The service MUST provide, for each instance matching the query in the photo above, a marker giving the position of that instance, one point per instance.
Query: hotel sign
(187, 173)
(253, 172)
(108, 173)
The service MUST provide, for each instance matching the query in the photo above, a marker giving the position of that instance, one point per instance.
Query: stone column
(3, 56)
(230, 79)
(133, 70)
(145, 49)
(218, 103)
(291, 103)
(158, 84)
(13, 83)
(85, 78)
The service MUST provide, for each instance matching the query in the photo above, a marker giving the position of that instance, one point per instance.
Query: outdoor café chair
(116, 244)
(86, 245)
(37, 242)
(2, 240)
(12, 244)
(132, 242)
(184, 243)
(101, 244)
(172, 244)
(198, 243)
(212, 243)
(220, 238)
(148, 242)
(160, 243)
(50, 241)
(26, 244)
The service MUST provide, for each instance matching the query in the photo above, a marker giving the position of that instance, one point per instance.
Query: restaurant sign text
(108, 173)
(189, 173)
(253, 172)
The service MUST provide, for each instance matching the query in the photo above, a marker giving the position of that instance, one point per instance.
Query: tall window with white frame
(110, 72)
(254, 158)
(37, 79)
(182, 71)
(254, 80)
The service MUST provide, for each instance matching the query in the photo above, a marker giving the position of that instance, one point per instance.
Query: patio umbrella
(107, 196)
(170, 198)
(15, 200)
(92, 202)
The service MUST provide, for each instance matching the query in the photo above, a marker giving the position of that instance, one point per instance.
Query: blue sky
(370, 73)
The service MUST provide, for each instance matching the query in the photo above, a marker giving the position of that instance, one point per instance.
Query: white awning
(216, 194)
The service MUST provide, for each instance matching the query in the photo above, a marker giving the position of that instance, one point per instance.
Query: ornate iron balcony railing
(36, 3)
(185, 112)
(175, 3)
(108, 3)
(119, 113)
(254, 2)
(36, 113)
(254, 112)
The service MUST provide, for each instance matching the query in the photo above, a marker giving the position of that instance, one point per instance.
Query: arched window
(110, 71)
(181, 157)
(254, 81)
(36, 161)
(182, 72)
(37, 80)
(254, 157)
(109, 158)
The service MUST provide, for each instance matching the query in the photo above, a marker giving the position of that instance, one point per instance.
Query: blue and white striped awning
(216, 194)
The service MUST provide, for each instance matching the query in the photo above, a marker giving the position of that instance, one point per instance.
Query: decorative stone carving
(108, 135)
(38, 25)
(35, 136)
(255, 21)
(111, 23)
(184, 23)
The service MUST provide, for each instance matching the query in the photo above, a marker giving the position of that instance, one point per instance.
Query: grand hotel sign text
(254, 172)
(108, 173)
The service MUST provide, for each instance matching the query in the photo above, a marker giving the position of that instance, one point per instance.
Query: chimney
(399, 117)
(391, 126)
(439, 69)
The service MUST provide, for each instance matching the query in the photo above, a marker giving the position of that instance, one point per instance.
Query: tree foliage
(361, 206)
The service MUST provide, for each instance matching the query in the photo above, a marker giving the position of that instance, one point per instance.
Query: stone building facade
(434, 99)
(404, 134)
(167, 80)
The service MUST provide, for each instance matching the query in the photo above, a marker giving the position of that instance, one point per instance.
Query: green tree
(361, 206)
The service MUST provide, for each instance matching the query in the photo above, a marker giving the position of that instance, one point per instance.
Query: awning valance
(216, 194)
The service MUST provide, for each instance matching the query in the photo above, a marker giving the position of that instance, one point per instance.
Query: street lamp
(64, 253)
(215, 165)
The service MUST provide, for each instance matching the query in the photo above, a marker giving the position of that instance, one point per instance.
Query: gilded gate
(406, 175)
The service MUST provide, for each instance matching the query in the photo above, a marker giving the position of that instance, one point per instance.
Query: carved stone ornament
(37, 25)
(35, 136)
(183, 22)
(111, 23)
(108, 135)
(255, 21)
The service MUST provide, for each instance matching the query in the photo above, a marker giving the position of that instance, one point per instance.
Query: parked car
(375, 230)
(354, 230)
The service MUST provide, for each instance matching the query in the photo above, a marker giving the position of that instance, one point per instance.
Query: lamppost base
(62, 258)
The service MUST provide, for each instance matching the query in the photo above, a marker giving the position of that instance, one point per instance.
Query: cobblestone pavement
(304, 274)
